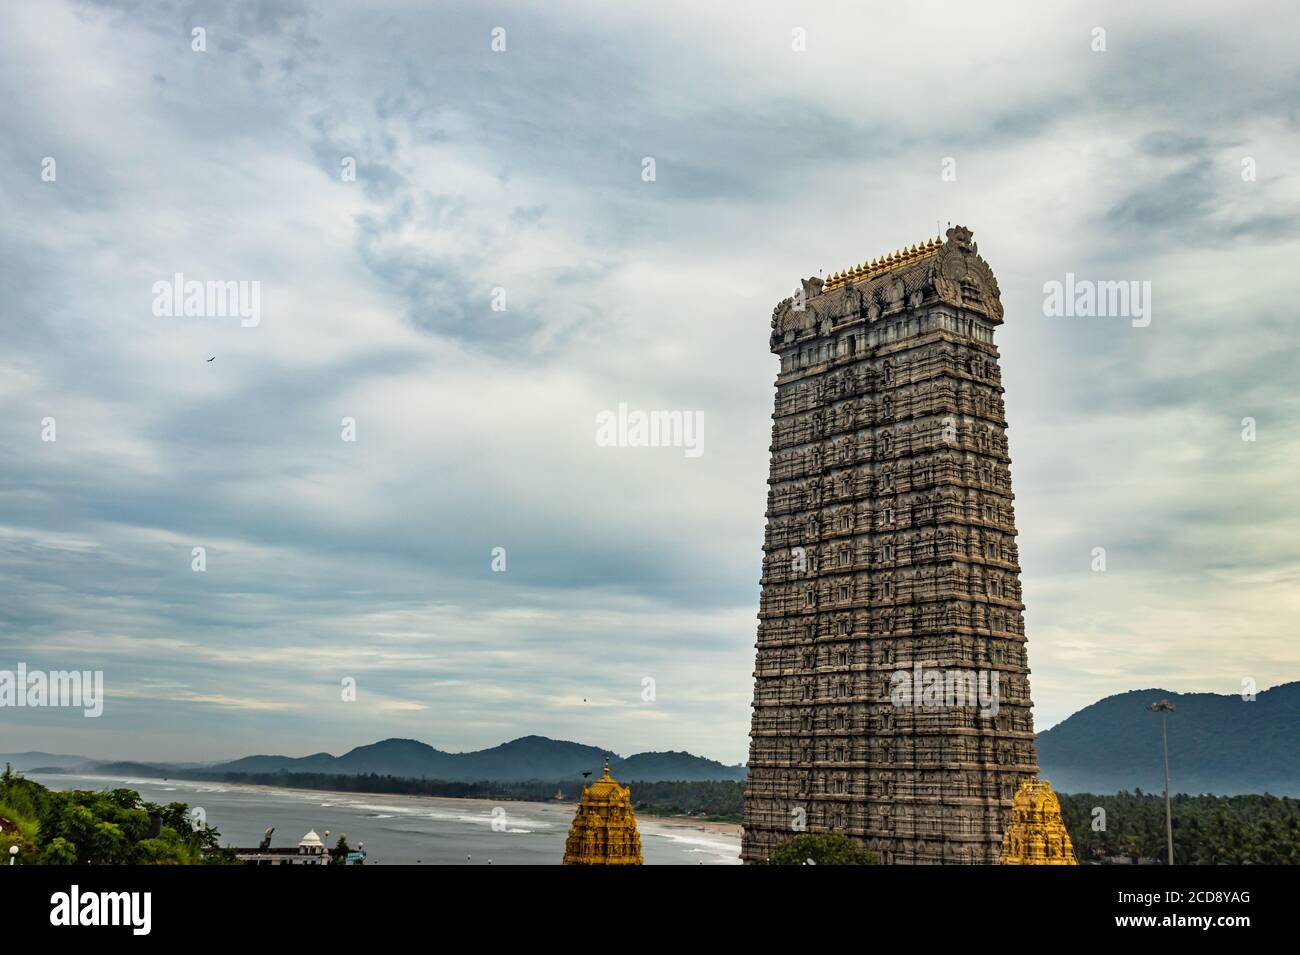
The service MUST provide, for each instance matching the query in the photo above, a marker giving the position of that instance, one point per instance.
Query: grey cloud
(476, 431)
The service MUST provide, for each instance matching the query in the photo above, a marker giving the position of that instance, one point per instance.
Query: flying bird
(213, 358)
(585, 775)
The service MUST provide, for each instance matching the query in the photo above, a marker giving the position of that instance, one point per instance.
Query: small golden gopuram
(604, 828)
(1036, 835)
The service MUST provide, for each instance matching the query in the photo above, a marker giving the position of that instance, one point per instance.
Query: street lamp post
(13, 854)
(1164, 708)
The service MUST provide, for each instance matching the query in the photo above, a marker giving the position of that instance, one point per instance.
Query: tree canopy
(825, 848)
(113, 827)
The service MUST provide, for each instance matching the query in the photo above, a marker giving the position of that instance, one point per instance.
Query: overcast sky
(523, 170)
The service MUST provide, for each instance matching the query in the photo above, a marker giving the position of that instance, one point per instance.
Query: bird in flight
(213, 358)
(585, 775)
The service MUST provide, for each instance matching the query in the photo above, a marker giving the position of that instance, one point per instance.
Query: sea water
(405, 830)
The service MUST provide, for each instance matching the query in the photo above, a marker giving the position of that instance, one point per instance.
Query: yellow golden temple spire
(874, 267)
(1036, 834)
(604, 827)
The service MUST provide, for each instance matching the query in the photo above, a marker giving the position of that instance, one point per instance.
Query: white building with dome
(311, 850)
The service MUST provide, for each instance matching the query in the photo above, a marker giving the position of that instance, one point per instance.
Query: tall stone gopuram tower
(890, 556)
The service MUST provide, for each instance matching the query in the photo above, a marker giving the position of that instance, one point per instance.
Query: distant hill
(520, 760)
(1217, 744)
(26, 762)
(673, 767)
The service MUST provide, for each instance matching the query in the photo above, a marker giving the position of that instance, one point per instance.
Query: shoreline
(704, 825)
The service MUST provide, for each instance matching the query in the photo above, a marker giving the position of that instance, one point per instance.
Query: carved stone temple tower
(890, 613)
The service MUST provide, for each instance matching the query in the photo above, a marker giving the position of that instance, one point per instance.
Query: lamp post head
(13, 850)
(1164, 706)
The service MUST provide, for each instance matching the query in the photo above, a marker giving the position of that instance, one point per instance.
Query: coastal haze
(409, 830)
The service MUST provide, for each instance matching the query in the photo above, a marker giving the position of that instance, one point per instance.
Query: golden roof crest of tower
(885, 263)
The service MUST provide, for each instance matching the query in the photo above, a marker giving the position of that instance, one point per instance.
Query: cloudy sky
(521, 170)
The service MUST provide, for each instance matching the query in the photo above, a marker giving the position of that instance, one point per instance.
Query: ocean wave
(380, 807)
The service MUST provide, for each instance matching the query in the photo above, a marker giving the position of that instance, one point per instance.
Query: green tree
(1208, 830)
(59, 852)
(339, 854)
(114, 827)
(830, 848)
